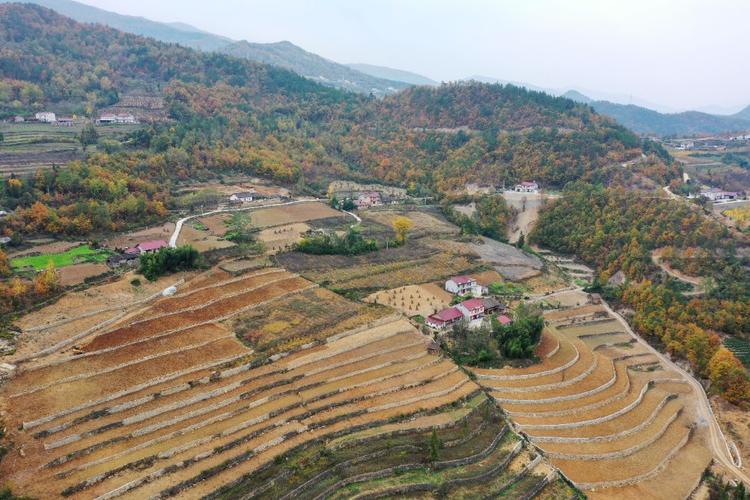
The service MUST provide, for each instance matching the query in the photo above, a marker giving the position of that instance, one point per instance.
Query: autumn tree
(47, 280)
(402, 225)
(729, 376)
(4, 264)
(88, 135)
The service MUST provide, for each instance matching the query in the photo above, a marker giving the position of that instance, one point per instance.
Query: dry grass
(413, 300)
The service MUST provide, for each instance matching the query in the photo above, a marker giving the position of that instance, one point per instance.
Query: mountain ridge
(287, 55)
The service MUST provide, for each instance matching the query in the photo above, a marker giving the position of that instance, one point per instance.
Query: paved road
(719, 444)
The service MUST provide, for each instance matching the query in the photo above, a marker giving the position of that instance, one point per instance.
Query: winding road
(721, 447)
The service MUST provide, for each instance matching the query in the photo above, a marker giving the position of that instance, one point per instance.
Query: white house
(243, 197)
(46, 117)
(117, 119)
(465, 285)
(527, 187)
(715, 194)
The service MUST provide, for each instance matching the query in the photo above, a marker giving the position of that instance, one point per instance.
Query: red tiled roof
(151, 245)
(462, 280)
(504, 320)
(473, 304)
(450, 314)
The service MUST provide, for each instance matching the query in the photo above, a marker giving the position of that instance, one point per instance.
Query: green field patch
(77, 255)
(740, 348)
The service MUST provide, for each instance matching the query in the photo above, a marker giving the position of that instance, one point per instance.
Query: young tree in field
(88, 136)
(47, 281)
(402, 225)
(435, 445)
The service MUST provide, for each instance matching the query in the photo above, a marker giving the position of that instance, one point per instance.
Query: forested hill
(228, 114)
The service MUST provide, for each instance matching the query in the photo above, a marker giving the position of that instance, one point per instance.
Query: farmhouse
(527, 187)
(444, 318)
(368, 199)
(4, 240)
(116, 119)
(19, 119)
(243, 197)
(146, 247)
(472, 309)
(715, 194)
(46, 117)
(122, 259)
(65, 122)
(491, 304)
(464, 285)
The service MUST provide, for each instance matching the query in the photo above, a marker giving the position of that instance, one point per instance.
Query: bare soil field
(126, 240)
(77, 312)
(279, 239)
(54, 247)
(413, 300)
(425, 223)
(509, 261)
(77, 273)
(290, 214)
(202, 240)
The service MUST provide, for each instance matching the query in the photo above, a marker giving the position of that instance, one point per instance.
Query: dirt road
(720, 446)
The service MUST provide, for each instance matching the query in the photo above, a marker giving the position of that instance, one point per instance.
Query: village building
(4, 240)
(65, 122)
(594, 298)
(146, 247)
(122, 259)
(472, 309)
(109, 119)
(716, 194)
(19, 119)
(243, 197)
(492, 305)
(46, 117)
(444, 318)
(464, 285)
(527, 187)
(368, 199)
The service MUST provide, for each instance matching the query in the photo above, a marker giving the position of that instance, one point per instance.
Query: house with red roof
(444, 318)
(472, 309)
(151, 246)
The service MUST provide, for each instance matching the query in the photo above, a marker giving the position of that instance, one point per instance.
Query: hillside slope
(287, 55)
(183, 34)
(232, 115)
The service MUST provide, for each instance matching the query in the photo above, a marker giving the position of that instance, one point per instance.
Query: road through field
(718, 442)
(181, 222)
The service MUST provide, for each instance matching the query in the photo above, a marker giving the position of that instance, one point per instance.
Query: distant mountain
(648, 121)
(180, 33)
(287, 55)
(397, 75)
(744, 114)
(577, 97)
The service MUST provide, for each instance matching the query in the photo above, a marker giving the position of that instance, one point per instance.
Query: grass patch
(77, 255)
(740, 348)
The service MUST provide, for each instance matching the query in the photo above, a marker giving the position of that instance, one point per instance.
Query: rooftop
(152, 245)
(462, 280)
(449, 314)
(473, 304)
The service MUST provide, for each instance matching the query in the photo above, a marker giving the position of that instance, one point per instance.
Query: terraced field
(604, 410)
(169, 403)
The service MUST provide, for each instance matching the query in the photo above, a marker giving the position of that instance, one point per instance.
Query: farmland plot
(170, 403)
(605, 413)
(413, 299)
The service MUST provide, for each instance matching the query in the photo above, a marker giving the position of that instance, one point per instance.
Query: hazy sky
(677, 54)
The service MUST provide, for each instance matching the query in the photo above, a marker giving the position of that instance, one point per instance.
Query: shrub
(168, 260)
(352, 243)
